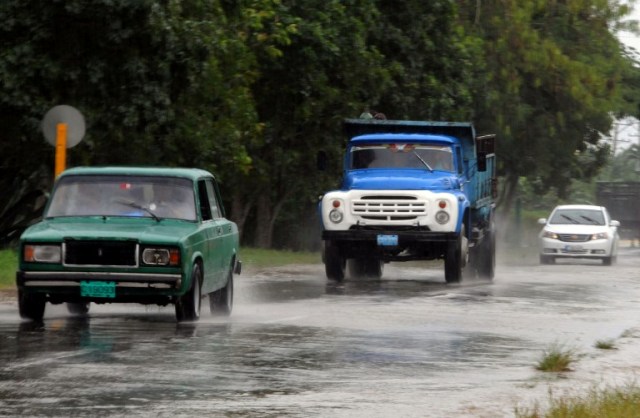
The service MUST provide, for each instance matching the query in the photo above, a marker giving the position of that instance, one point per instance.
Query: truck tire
(486, 262)
(365, 268)
(456, 257)
(334, 263)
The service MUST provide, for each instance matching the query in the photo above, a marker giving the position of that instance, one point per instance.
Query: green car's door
(220, 244)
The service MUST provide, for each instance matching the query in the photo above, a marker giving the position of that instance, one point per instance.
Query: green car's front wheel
(188, 305)
(31, 305)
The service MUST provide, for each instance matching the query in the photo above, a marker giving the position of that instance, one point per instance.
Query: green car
(130, 234)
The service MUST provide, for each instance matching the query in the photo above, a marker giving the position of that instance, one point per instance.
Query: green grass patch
(250, 257)
(259, 258)
(556, 359)
(599, 403)
(8, 267)
(605, 344)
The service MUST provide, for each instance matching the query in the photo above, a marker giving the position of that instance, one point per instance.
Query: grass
(556, 359)
(8, 266)
(605, 344)
(259, 258)
(599, 403)
(250, 257)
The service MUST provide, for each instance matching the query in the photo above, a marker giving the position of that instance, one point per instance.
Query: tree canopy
(252, 89)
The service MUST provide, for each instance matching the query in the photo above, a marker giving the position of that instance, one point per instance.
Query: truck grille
(389, 208)
(100, 253)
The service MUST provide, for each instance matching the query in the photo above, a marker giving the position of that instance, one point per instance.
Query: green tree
(553, 79)
(158, 83)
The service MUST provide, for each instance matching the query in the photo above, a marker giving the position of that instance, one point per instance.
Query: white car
(579, 231)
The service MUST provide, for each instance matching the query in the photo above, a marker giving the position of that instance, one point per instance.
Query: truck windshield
(402, 156)
(125, 196)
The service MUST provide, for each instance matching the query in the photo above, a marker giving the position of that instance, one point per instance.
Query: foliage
(254, 258)
(623, 402)
(253, 89)
(8, 267)
(556, 359)
(554, 72)
(605, 344)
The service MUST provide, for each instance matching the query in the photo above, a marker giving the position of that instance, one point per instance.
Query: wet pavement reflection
(296, 345)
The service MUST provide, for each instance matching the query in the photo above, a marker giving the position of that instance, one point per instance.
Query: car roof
(190, 173)
(583, 207)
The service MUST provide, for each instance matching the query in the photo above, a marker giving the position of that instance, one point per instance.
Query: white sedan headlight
(549, 234)
(601, 235)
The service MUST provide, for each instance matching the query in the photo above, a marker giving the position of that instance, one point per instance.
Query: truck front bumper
(409, 245)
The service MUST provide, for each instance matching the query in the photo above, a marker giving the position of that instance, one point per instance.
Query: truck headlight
(335, 216)
(42, 253)
(161, 256)
(442, 217)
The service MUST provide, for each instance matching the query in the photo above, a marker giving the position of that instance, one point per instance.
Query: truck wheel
(81, 308)
(221, 301)
(375, 268)
(31, 305)
(365, 268)
(456, 258)
(334, 263)
(487, 256)
(188, 305)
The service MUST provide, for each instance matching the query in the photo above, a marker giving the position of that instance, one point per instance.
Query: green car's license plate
(98, 289)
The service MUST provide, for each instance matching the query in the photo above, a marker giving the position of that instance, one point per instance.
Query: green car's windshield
(128, 196)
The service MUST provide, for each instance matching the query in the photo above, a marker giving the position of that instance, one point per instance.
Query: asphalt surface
(298, 346)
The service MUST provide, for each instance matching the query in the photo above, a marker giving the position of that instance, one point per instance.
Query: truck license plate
(98, 289)
(387, 240)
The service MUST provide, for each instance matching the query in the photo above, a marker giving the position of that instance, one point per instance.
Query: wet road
(407, 345)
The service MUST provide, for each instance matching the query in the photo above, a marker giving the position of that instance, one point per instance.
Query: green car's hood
(139, 229)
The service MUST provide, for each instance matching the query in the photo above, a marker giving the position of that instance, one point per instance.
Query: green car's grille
(100, 253)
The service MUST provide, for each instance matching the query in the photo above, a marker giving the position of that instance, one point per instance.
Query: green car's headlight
(40, 253)
(161, 256)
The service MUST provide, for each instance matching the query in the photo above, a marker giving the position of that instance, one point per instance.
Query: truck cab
(410, 191)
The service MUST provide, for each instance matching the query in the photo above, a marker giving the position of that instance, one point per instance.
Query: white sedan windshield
(577, 217)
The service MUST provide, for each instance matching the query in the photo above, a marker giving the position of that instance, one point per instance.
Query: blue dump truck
(412, 190)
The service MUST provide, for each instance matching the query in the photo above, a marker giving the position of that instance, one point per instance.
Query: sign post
(63, 127)
(61, 148)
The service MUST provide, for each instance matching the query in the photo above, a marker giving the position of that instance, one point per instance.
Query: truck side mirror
(321, 160)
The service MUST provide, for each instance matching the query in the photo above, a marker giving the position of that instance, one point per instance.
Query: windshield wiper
(423, 161)
(573, 221)
(137, 206)
(593, 221)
